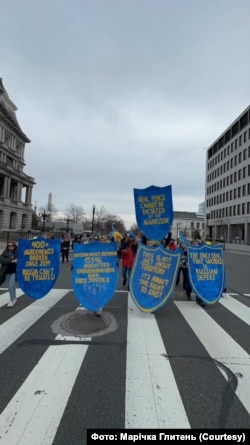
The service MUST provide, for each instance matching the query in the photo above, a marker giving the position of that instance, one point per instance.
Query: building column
(246, 231)
(7, 190)
(19, 191)
(5, 185)
(28, 195)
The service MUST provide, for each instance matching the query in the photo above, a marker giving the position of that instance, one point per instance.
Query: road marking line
(19, 323)
(34, 413)
(152, 397)
(239, 309)
(5, 298)
(220, 346)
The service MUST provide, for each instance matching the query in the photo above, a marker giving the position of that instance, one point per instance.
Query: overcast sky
(123, 94)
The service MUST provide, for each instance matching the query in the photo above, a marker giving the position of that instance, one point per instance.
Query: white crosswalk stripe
(5, 298)
(18, 324)
(220, 346)
(153, 397)
(39, 398)
(239, 309)
(150, 377)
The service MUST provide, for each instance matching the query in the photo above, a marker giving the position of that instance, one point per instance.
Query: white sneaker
(12, 303)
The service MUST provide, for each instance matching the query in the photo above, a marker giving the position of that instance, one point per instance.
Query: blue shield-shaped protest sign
(38, 266)
(153, 277)
(206, 271)
(154, 211)
(95, 273)
(183, 239)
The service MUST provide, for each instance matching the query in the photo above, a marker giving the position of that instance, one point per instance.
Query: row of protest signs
(154, 272)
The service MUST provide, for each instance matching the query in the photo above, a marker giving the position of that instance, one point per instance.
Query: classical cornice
(9, 110)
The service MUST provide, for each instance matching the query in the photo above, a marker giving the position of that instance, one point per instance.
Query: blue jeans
(11, 283)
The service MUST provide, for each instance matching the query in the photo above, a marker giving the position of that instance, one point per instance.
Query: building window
(7, 140)
(243, 209)
(239, 175)
(9, 161)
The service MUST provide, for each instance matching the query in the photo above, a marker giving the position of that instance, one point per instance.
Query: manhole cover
(82, 323)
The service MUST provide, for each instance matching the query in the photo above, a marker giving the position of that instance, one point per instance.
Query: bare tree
(104, 222)
(50, 215)
(135, 229)
(75, 212)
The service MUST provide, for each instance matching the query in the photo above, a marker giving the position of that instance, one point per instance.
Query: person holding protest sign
(128, 253)
(148, 242)
(183, 268)
(8, 261)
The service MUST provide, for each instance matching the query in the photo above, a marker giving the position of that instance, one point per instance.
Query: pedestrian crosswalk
(182, 367)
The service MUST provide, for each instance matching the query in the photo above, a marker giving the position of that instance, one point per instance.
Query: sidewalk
(237, 248)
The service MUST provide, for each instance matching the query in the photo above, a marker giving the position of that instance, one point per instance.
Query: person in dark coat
(65, 246)
(8, 262)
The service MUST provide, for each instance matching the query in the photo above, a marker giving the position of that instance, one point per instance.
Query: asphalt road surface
(184, 367)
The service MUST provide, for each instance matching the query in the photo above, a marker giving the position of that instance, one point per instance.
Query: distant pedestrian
(77, 239)
(50, 235)
(172, 245)
(65, 246)
(8, 261)
(128, 253)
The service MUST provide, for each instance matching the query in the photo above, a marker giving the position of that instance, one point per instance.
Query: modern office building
(15, 185)
(228, 183)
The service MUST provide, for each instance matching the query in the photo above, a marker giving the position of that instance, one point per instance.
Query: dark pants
(182, 270)
(65, 254)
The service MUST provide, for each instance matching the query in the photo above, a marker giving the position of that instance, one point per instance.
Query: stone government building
(15, 186)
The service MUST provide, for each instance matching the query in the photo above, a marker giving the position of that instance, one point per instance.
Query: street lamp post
(44, 216)
(93, 221)
(68, 220)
